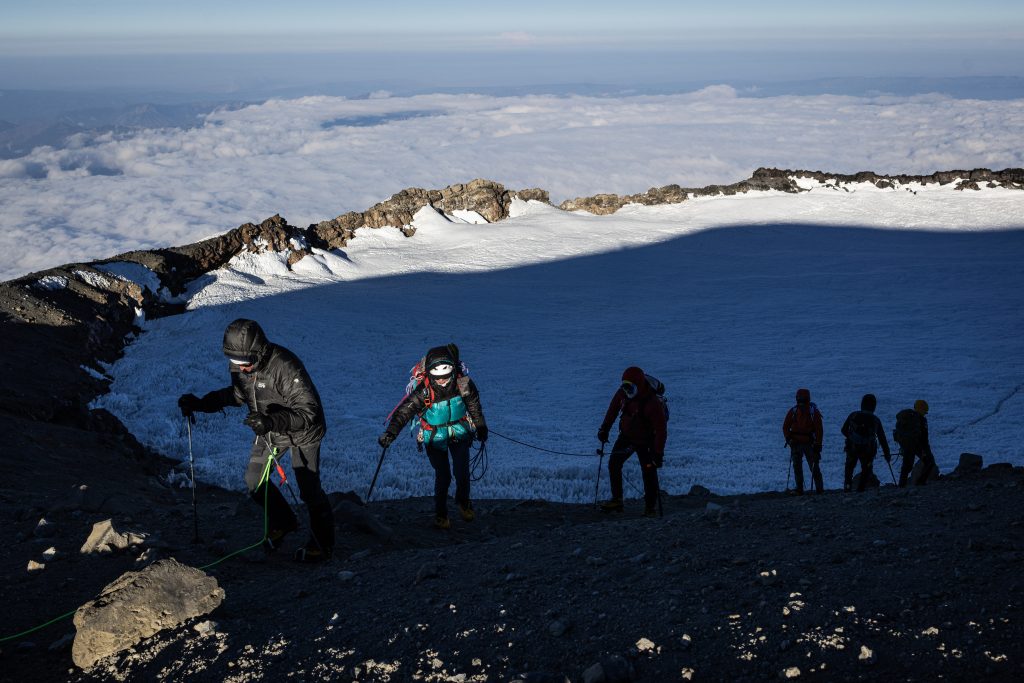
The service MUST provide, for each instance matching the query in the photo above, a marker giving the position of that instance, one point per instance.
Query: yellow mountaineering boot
(467, 512)
(442, 523)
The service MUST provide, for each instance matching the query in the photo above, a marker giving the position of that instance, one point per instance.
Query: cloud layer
(313, 158)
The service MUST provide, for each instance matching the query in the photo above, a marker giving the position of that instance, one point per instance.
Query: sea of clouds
(313, 158)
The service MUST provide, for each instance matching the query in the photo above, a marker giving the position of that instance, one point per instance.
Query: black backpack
(861, 433)
(909, 429)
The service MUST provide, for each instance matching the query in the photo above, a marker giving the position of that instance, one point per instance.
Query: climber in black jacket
(284, 413)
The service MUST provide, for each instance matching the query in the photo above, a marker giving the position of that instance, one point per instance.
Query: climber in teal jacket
(448, 406)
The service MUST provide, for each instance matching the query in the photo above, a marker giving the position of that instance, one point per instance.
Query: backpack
(909, 429)
(861, 434)
(803, 420)
(659, 392)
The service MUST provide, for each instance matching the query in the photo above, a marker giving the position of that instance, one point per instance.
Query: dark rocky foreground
(915, 584)
(894, 584)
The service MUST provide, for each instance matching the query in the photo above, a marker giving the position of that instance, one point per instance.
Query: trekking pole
(192, 472)
(383, 452)
(889, 463)
(600, 462)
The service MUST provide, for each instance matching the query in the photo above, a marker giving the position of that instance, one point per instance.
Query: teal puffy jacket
(446, 413)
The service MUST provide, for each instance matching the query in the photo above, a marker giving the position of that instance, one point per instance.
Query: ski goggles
(442, 370)
(629, 389)
(243, 364)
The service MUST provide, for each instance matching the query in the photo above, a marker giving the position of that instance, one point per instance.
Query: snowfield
(734, 302)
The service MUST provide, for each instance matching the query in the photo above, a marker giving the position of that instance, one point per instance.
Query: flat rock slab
(137, 605)
(104, 539)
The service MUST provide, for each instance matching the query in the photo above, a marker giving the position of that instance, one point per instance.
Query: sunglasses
(629, 389)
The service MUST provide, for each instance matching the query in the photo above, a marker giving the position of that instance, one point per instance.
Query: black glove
(481, 433)
(259, 423)
(189, 403)
(658, 459)
(602, 435)
(817, 450)
(386, 439)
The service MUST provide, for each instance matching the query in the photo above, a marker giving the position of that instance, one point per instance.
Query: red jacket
(643, 421)
(801, 426)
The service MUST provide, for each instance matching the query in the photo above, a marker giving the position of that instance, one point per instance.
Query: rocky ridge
(765, 179)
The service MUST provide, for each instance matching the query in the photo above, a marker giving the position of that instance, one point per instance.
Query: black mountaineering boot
(611, 505)
(312, 553)
(274, 539)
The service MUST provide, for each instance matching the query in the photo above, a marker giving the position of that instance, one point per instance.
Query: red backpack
(803, 420)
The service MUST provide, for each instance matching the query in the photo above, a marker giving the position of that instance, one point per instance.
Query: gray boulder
(872, 482)
(45, 529)
(615, 669)
(350, 513)
(137, 605)
(969, 463)
(104, 539)
(698, 491)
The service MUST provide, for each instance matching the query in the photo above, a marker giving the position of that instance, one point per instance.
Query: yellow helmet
(921, 406)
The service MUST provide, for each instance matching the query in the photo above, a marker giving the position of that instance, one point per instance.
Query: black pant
(800, 451)
(438, 455)
(866, 460)
(306, 466)
(908, 467)
(621, 451)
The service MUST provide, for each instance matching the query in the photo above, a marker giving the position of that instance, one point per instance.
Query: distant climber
(804, 434)
(643, 429)
(911, 434)
(863, 431)
(284, 413)
(447, 403)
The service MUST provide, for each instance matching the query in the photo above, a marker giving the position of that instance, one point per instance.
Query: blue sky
(258, 48)
(114, 26)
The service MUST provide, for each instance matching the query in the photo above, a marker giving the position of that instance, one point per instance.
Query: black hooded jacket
(278, 385)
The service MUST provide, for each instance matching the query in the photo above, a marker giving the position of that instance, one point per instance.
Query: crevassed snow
(133, 272)
(51, 282)
(92, 279)
(734, 302)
